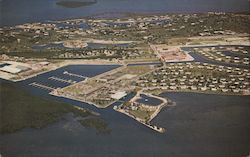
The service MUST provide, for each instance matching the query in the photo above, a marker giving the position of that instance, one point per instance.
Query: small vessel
(146, 100)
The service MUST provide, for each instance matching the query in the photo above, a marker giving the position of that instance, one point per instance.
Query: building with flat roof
(118, 95)
(14, 69)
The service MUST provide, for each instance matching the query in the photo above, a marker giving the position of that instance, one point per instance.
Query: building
(118, 95)
(14, 68)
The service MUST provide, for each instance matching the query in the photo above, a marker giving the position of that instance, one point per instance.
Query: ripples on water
(23, 11)
(199, 125)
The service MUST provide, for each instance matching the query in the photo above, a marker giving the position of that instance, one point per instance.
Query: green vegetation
(174, 29)
(137, 70)
(142, 114)
(75, 4)
(19, 109)
(100, 125)
(199, 77)
(101, 102)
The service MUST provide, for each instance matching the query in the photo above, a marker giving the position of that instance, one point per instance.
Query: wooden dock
(62, 80)
(41, 86)
(74, 75)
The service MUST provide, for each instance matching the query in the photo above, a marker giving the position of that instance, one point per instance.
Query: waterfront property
(198, 77)
(142, 112)
(105, 89)
(19, 70)
(232, 54)
(171, 53)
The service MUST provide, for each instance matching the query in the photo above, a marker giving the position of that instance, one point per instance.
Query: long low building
(171, 53)
(14, 69)
(118, 95)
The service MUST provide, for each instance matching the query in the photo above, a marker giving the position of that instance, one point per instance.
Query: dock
(153, 127)
(74, 75)
(41, 86)
(62, 80)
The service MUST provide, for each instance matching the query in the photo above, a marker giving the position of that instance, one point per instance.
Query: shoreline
(54, 92)
(198, 92)
(61, 65)
(125, 14)
(155, 128)
(156, 112)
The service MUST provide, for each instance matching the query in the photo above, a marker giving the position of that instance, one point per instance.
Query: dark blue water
(90, 45)
(97, 45)
(83, 70)
(200, 125)
(200, 58)
(62, 25)
(149, 100)
(14, 12)
(237, 54)
(51, 45)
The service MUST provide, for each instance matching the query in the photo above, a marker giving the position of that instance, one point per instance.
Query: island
(75, 3)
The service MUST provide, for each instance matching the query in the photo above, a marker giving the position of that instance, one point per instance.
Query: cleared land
(141, 112)
(99, 90)
(171, 53)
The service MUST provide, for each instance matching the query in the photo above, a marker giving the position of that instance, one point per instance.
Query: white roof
(44, 63)
(118, 95)
(10, 69)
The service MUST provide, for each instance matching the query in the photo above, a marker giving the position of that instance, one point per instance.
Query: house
(204, 88)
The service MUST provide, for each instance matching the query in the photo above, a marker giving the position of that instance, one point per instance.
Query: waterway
(14, 12)
(149, 100)
(98, 46)
(200, 58)
(199, 125)
(80, 73)
(90, 45)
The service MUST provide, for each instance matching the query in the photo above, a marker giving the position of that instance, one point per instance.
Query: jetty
(74, 75)
(62, 80)
(135, 106)
(41, 86)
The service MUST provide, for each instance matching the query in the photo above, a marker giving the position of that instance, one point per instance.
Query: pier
(41, 86)
(156, 110)
(62, 80)
(153, 127)
(74, 75)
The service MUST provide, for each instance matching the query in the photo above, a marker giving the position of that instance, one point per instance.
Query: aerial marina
(116, 83)
(180, 70)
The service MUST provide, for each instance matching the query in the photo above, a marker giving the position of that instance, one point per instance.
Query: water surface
(200, 125)
(14, 12)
